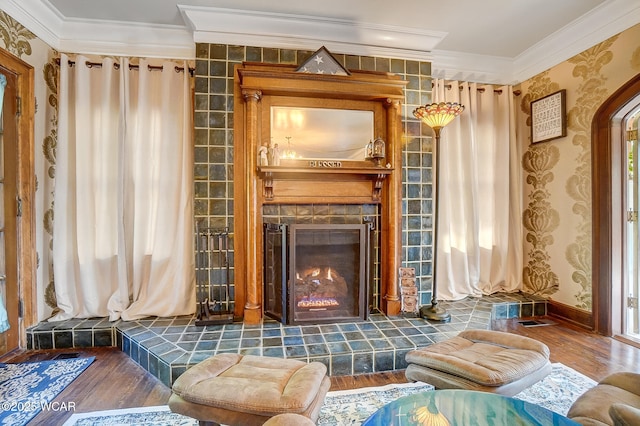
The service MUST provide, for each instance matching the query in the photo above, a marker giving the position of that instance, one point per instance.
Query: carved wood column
(253, 211)
(392, 211)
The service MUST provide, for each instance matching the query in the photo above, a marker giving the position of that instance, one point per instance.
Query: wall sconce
(436, 116)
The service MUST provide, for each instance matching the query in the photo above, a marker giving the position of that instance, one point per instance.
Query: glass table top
(463, 408)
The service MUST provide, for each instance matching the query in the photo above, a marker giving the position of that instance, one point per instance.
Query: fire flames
(319, 288)
(317, 302)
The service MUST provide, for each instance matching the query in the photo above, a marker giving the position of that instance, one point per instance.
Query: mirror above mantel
(346, 112)
(326, 145)
(314, 128)
(305, 133)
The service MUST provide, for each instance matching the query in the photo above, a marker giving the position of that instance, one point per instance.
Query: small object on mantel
(263, 155)
(409, 292)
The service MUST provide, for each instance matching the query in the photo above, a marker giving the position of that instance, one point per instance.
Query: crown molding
(600, 24)
(100, 37)
(449, 65)
(144, 40)
(287, 31)
(312, 45)
(43, 22)
(262, 29)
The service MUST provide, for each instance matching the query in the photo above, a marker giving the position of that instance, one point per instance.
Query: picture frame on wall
(549, 117)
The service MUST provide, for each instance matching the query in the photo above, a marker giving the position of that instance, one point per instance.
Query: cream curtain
(480, 234)
(122, 243)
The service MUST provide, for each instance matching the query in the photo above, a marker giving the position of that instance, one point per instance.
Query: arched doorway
(608, 207)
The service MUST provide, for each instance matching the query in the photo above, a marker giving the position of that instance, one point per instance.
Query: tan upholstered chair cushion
(614, 401)
(624, 415)
(252, 384)
(486, 357)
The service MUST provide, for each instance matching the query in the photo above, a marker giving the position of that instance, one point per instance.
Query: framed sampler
(549, 117)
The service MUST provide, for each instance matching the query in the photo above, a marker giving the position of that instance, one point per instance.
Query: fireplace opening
(316, 273)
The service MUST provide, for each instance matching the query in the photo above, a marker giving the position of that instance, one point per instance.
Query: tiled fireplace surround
(166, 347)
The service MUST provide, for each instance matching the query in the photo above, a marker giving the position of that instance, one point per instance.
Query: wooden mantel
(341, 185)
(257, 87)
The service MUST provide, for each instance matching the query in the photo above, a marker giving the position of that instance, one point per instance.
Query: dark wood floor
(114, 381)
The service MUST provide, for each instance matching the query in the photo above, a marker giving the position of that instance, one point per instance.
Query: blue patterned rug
(29, 387)
(556, 392)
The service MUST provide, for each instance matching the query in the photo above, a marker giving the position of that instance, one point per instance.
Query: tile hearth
(166, 347)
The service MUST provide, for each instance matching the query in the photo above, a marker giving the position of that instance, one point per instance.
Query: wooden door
(9, 340)
(17, 193)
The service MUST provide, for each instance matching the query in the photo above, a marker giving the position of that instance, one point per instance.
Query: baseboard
(571, 314)
(628, 340)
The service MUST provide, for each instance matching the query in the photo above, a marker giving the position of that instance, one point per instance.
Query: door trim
(608, 216)
(26, 232)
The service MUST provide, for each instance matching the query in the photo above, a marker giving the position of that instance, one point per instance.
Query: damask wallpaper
(557, 215)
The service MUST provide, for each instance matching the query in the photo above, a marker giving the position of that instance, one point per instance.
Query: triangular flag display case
(322, 62)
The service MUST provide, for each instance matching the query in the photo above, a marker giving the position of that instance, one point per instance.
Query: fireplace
(316, 273)
(305, 181)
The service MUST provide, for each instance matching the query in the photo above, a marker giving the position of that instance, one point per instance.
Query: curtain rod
(482, 89)
(131, 66)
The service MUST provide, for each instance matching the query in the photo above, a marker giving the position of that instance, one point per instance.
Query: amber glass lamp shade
(438, 115)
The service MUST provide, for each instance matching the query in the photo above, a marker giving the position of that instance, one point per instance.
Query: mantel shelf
(324, 175)
(285, 170)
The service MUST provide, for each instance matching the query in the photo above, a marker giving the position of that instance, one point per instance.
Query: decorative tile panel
(214, 141)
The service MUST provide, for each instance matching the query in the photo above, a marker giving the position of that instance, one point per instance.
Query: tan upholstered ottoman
(242, 390)
(483, 360)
